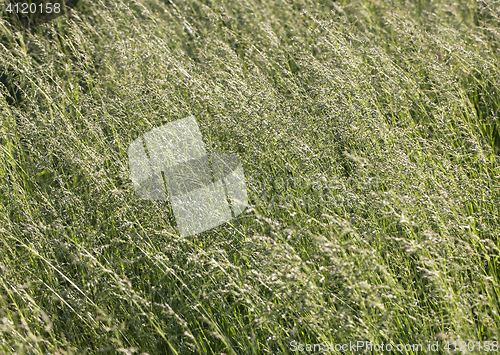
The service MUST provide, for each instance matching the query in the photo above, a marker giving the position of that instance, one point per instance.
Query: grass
(369, 136)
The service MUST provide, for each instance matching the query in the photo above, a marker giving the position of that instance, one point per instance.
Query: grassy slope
(369, 133)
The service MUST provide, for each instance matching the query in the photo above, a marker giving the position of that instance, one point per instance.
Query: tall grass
(369, 135)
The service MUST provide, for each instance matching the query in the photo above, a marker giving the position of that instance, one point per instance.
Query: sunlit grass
(369, 136)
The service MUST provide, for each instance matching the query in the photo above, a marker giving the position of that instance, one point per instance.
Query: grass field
(369, 133)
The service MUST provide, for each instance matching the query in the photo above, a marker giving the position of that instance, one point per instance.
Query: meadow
(369, 133)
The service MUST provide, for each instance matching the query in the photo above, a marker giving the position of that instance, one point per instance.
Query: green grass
(369, 136)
